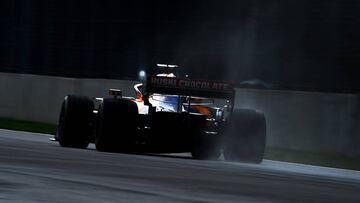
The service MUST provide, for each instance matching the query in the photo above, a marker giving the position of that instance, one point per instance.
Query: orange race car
(168, 115)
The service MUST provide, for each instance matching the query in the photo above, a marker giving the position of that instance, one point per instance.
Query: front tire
(245, 136)
(75, 122)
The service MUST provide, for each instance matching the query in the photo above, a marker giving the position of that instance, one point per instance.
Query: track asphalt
(34, 169)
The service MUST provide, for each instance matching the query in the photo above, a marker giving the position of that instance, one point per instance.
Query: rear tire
(117, 125)
(205, 146)
(75, 122)
(245, 137)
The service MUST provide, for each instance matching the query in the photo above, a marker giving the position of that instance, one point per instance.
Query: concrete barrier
(39, 98)
(310, 121)
(317, 122)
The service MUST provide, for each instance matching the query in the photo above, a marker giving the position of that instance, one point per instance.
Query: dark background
(301, 45)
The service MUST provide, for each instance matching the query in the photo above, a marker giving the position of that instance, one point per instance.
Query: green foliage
(37, 127)
(319, 159)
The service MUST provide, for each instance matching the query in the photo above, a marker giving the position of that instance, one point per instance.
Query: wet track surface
(33, 169)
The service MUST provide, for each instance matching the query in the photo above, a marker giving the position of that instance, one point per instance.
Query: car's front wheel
(245, 136)
(75, 122)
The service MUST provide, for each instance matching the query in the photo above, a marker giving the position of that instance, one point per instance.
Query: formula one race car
(168, 115)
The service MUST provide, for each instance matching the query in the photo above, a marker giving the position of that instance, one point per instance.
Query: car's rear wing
(189, 87)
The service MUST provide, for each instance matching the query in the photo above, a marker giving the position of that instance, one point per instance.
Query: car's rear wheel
(75, 122)
(245, 136)
(117, 124)
(205, 145)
